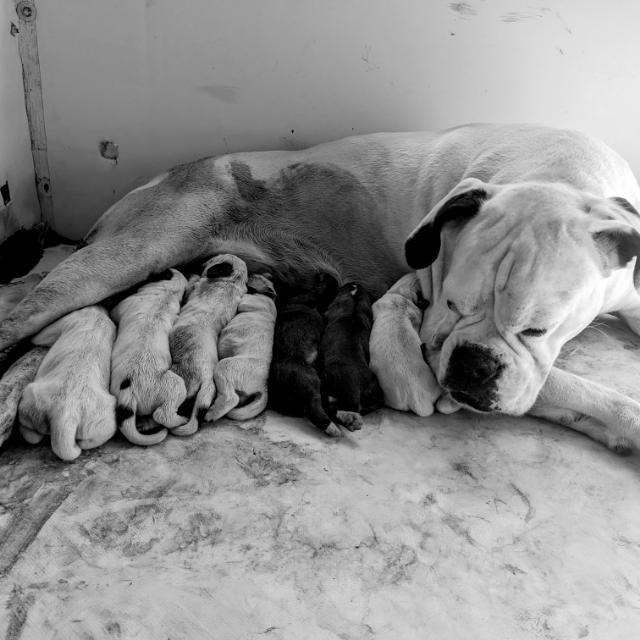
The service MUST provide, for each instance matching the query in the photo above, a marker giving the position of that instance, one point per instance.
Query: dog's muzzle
(472, 376)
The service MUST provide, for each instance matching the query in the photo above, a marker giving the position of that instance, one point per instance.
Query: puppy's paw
(333, 430)
(349, 419)
(446, 404)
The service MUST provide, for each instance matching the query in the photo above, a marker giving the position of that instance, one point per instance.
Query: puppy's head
(315, 290)
(261, 283)
(225, 267)
(351, 299)
(521, 269)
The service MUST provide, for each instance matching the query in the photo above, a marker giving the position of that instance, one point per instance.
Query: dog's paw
(333, 430)
(349, 419)
(446, 405)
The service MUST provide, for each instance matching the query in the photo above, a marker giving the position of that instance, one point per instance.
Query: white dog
(69, 397)
(211, 304)
(141, 378)
(244, 349)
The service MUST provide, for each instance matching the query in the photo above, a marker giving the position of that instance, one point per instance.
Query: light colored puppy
(395, 350)
(69, 397)
(245, 348)
(141, 378)
(211, 304)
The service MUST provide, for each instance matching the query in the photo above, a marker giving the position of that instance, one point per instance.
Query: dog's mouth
(482, 405)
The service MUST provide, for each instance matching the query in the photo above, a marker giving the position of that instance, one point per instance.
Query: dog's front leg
(591, 408)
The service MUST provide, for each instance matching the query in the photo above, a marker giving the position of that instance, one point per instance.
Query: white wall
(171, 81)
(16, 163)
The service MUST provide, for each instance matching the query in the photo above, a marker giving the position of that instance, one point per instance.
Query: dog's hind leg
(173, 392)
(107, 266)
(202, 402)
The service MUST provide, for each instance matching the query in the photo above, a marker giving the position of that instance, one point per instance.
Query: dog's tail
(126, 420)
(200, 404)
(249, 405)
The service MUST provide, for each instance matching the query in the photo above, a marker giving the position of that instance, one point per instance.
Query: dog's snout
(473, 369)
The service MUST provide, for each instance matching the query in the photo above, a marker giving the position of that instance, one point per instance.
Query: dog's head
(516, 271)
(351, 299)
(225, 267)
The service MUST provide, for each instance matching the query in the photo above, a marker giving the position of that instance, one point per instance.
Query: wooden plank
(28, 49)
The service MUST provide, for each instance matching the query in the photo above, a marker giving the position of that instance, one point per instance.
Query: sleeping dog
(211, 304)
(69, 397)
(140, 375)
(244, 349)
(349, 386)
(294, 382)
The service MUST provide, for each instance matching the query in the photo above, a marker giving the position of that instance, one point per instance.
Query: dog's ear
(219, 270)
(423, 245)
(618, 244)
(623, 203)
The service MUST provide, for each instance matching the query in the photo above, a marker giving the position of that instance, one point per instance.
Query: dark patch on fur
(186, 408)
(423, 247)
(123, 413)
(202, 411)
(219, 270)
(618, 247)
(126, 383)
(249, 189)
(625, 204)
(167, 274)
(344, 352)
(19, 253)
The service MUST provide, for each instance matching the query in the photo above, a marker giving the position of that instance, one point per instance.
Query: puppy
(140, 363)
(69, 397)
(407, 381)
(12, 385)
(294, 383)
(244, 348)
(349, 386)
(211, 304)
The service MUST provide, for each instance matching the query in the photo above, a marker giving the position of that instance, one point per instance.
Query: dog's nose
(472, 367)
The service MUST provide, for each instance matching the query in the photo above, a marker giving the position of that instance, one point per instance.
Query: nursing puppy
(140, 363)
(294, 382)
(69, 397)
(244, 348)
(396, 356)
(211, 304)
(349, 386)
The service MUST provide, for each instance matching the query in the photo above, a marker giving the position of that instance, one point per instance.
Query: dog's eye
(533, 333)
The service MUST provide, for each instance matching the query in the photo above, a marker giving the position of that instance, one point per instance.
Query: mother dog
(523, 235)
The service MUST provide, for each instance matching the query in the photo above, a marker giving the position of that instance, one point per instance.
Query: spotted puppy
(69, 398)
(211, 304)
(244, 348)
(141, 378)
(396, 355)
(294, 382)
(349, 386)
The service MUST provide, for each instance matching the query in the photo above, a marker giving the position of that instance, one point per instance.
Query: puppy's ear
(219, 270)
(423, 245)
(618, 244)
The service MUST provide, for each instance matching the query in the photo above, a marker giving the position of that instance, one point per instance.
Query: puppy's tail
(126, 419)
(249, 406)
(202, 402)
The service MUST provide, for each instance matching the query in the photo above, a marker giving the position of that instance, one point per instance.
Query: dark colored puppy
(294, 383)
(349, 386)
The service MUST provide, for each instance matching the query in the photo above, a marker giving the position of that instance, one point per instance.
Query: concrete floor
(448, 527)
